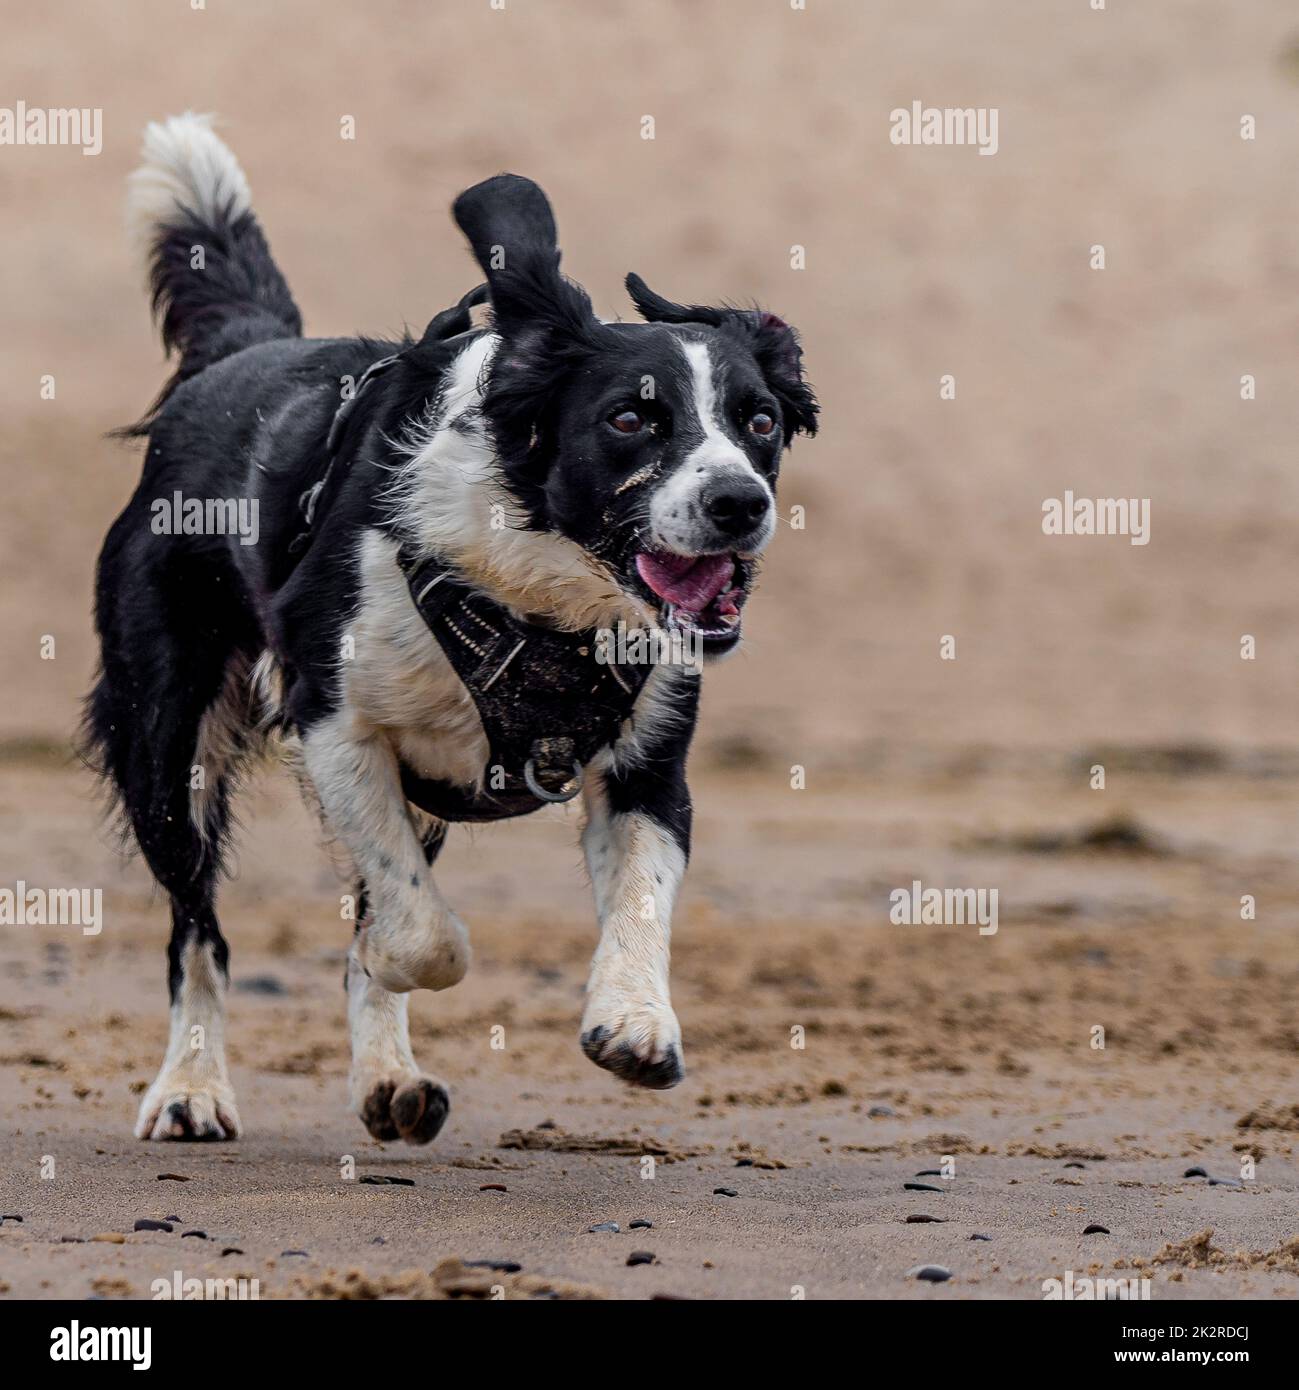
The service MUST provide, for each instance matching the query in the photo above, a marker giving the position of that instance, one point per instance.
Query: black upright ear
(774, 343)
(511, 230)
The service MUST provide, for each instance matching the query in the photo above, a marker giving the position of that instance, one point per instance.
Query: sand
(1119, 909)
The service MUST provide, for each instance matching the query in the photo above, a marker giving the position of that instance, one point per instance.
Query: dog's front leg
(636, 840)
(415, 941)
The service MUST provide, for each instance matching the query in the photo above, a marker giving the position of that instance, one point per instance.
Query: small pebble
(933, 1274)
(1225, 1182)
(172, 1177)
(1095, 1230)
(641, 1225)
(880, 1112)
(176, 1219)
(493, 1187)
(921, 1187)
(725, 1192)
(378, 1240)
(504, 1266)
(146, 1223)
(285, 1253)
(1075, 1165)
(930, 1173)
(260, 984)
(72, 1240)
(387, 1180)
(11, 1217)
(641, 1257)
(920, 1219)
(199, 1235)
(1196, 1172)
(978, 1235)
(612, 1226)
(232, 1250)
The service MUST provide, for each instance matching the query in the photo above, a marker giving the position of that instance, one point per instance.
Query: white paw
(636, 1039)
(178, 1108)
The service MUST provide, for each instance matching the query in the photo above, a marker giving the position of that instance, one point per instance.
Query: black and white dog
(446, 532)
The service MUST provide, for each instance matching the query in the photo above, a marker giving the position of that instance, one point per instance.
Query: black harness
(549, 701)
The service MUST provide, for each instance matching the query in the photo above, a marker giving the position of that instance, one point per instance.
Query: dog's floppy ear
(774, 344)
(511, 230)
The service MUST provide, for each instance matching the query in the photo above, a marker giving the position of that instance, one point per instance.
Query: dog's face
(654, 446)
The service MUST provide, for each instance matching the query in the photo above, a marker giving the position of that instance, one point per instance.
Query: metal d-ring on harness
(535, 787)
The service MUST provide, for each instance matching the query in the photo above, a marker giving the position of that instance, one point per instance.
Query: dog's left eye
(626, 421)
(762, 423)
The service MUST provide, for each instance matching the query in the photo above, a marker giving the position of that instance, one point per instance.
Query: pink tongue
(691, 584)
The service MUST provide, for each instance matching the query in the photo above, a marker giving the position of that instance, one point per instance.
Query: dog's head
(654, 446)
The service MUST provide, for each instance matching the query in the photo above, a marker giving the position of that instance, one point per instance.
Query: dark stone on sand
(260, 984)
(1075, 1165)
(502, 1266)
(284, 1254)
(931, 1274)
(919, 1219)
(147, 1223)
(921, 1187)
(172, 1177)
(640, 1224)
(641, 1257)
(881, 1112)
(200, 1235)
(978, 1235)
(493, 1187)
(1225, 1182)
(386, 1180)
(601, 1226)
(725, 1192)
(232, 1250)
(1196, 1172)
(1095, 1230)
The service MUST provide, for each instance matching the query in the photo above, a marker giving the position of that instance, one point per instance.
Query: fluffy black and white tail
(214, 285)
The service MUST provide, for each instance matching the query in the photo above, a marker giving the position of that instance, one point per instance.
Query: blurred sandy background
(923, 519)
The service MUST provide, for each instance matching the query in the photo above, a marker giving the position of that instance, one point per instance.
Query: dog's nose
(736, 505)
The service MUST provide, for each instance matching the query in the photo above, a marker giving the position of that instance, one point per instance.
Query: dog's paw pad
(412, 1108)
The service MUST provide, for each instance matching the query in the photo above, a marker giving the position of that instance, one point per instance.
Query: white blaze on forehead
(703, 387)
(675, 508)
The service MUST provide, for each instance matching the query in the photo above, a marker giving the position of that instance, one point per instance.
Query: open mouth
(700, 593)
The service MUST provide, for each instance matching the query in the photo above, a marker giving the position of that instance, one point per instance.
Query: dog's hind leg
(166, 723)
(393, 1097)
(192, 1098)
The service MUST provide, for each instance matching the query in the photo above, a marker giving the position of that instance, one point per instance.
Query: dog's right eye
(626, 421)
